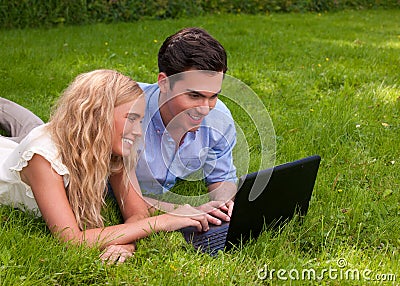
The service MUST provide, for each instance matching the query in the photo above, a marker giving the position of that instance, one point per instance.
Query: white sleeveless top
(14, 157)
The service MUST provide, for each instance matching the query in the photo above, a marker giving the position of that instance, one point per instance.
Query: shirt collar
(155, 115)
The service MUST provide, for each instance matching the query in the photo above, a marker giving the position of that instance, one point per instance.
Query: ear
(163, 82)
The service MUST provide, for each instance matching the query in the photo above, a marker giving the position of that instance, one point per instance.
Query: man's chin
(194, 129)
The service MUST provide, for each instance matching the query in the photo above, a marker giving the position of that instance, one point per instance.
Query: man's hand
(217, 211)
(221, 204)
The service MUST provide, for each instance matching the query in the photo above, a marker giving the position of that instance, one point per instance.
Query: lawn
(330, 83)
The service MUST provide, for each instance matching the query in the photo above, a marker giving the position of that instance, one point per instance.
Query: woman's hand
(181, 217)
(117, 253)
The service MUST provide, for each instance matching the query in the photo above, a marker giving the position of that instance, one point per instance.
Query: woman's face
(127, 125)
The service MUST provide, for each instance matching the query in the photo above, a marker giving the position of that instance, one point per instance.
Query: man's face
(186, 102)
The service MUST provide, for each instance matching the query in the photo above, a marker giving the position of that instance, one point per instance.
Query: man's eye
(193, 95)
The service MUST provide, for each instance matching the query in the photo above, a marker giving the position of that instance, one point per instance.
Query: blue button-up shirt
(204, 154)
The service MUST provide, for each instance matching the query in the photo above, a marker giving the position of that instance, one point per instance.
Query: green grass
(331, 85)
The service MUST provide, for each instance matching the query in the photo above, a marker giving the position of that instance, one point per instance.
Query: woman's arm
(130, 201)
(50, 195)
(134, 207)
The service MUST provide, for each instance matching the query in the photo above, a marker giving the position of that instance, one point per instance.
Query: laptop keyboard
(211, 241)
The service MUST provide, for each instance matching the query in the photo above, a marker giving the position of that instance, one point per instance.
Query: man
(186, 128)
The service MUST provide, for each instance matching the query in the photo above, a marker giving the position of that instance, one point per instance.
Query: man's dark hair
(191, 48)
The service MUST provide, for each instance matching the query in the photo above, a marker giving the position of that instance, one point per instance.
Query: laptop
(265, 199)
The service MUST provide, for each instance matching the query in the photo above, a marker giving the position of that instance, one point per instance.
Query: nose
(203, 110)
(137, 129)
(205, 106)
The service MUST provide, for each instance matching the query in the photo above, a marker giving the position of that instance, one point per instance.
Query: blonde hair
(82, 128)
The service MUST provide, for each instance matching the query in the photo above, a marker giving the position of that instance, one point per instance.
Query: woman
(62, 168)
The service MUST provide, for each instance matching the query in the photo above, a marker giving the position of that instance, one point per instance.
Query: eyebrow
(200, 94)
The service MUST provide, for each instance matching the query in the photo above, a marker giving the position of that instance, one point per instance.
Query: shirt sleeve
(13, 191)
(219, 165)
(38, 142)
